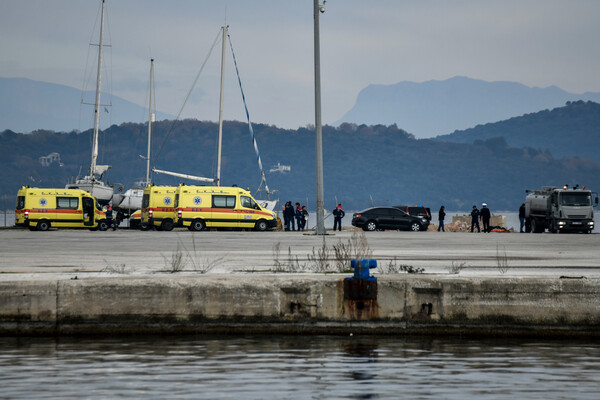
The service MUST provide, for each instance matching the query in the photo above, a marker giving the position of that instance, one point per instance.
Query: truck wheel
(536, 226)
(102, 226)
(43, 226)
(261, 225)
(167, 225)
(197, 225)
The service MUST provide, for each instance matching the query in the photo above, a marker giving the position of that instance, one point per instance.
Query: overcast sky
(534, 42)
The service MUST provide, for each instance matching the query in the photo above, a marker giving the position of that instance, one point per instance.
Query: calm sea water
(297, 367)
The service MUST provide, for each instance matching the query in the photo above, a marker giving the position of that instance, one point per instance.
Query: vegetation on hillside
(364, 165)
(572, 130)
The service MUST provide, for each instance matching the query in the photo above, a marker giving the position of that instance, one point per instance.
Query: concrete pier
(269, 303)
(80, 282)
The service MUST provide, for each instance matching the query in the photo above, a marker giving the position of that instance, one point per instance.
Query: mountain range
(573, 130)
(27, 105)
(435, 108)
(364, 165)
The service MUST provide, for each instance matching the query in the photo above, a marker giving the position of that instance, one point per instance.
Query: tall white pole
(97, 102)
(149, 122)
(320, 227)
(218, 181)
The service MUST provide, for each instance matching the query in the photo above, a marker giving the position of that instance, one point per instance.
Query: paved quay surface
(63, 254)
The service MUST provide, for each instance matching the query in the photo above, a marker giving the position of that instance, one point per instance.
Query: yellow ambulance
(158, 207)
(41, 209)
(200, 207)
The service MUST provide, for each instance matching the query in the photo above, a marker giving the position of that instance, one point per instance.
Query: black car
(388, 218)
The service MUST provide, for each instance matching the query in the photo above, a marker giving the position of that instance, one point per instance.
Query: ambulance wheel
(43, 226)
(167, 225)
(261, 225)
(102, 226)
(197, 225)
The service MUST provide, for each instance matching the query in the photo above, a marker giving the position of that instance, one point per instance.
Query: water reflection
(297, 367)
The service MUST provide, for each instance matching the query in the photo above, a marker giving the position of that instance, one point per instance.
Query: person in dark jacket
(288, 216)
(298, 215)
(441, 216)
(304, 217)
(485, 217)
(475, 219)
(522, 217)
(338, 214)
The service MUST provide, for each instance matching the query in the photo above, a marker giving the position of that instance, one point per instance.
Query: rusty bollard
(360, 291)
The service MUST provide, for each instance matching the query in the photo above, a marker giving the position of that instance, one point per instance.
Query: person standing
(286, 222)
(298, 215)
(522, 217)
(441, 217)
(338, 214)
(288, 215)
(475, 219)
(109, 218)
(304, 217)
(485, 217)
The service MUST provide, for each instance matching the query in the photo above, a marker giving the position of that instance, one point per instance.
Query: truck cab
(561, 209)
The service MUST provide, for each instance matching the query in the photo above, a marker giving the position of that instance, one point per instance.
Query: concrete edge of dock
(302, 304)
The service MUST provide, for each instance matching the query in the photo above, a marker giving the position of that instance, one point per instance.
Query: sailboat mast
(149, 122)
(97, 102)
(218, 180)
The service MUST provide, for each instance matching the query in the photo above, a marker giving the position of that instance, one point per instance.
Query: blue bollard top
(361, 269)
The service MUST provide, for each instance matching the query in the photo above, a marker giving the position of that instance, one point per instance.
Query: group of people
(484, 214)
(298, 216)
(294, 216)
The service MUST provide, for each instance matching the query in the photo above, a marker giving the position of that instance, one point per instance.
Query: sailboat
(269, 204)
(131, 200)
(92, 182)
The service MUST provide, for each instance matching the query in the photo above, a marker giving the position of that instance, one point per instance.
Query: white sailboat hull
(130, 200)
(102, 192)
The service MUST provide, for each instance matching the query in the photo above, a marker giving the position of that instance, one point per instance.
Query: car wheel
(197, 225)
(43, 226)
(261, 225)
(167, 225)
(371, 226)
(415, 227)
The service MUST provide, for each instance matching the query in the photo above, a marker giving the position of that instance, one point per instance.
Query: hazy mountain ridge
(435, 108)
(27, 105)
(572, 130)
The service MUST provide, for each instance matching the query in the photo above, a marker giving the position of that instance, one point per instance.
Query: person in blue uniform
(338, 214)
(475, 219)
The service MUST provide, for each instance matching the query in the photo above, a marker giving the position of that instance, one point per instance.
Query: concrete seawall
(301, 304)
